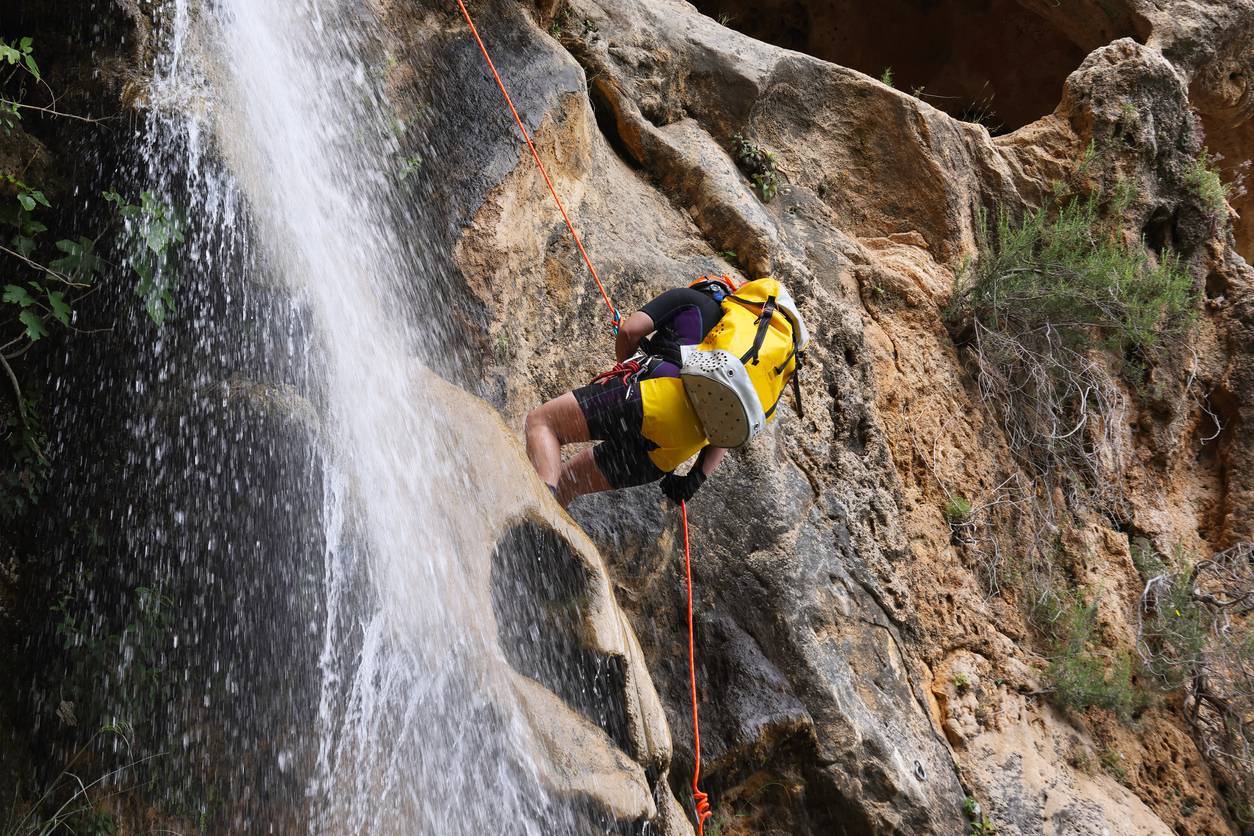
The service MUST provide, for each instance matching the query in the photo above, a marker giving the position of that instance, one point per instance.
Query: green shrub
(1207, 184)
(1193, 637)
(1070, 273)
(1052, 303)
(1148, 562)
(1078, 677)
(980, 823)
(1112, 763)
(1174, 634)
(957, 510)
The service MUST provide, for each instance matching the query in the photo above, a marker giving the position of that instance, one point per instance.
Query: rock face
(542, 601)
(610, 751)
(866, 661)
(857, 673)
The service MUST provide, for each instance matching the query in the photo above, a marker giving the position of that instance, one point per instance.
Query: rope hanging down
(700, 800)
(614, 317)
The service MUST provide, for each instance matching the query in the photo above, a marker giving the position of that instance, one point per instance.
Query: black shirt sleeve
(683, 315)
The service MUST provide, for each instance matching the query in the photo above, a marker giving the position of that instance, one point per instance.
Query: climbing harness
(627, 371)
(699, 799)
(615, 319)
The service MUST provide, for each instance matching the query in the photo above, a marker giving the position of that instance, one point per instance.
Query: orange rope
(699, 798)
(614, 317)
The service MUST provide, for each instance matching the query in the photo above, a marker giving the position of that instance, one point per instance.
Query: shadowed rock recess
(884, 580)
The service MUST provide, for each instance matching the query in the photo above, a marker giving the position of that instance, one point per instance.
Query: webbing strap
(764, 325)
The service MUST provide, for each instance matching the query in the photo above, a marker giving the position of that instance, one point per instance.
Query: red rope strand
(700, 800)
(614, 317)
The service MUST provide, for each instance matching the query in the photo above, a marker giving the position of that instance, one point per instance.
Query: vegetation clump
(981, 825)
(150, 230)
(1194, 636)
(1205, 181)
(1053, 302)
(758, 164)
(957, 510)
(1078, 677)
(48, 272)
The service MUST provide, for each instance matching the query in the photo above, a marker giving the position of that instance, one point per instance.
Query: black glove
(682, 488)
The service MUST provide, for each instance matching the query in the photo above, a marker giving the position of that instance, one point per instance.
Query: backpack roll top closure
(785, 303)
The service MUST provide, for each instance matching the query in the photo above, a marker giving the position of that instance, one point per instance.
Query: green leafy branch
(19, 55)
(152, 227)
(47, 295)
(59, 275)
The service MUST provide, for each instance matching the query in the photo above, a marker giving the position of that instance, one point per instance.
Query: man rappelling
(708, 379)
(700, 369)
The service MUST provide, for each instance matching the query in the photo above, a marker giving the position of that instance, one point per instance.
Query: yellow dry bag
(736, 376)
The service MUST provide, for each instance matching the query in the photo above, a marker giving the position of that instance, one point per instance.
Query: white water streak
(416, 728)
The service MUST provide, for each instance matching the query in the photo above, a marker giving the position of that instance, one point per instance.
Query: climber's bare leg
(580, 476)
(548, 427)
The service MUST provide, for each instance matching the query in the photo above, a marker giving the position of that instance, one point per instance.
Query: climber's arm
(632, 330)
(710, 458)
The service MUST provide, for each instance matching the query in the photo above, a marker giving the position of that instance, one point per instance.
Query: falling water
(286, 480)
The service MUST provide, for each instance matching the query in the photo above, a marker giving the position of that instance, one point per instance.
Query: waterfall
(331, 675)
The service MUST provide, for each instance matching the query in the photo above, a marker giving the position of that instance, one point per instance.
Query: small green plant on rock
(980, 823)
(980, 111)
(886, 77)
(758, 164)
(962, 682)
(411, 164)
(957, 510)
(1205, 181)
(560, 24)
(1112, 763)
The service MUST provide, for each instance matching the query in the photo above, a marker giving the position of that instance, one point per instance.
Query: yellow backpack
(736, 377)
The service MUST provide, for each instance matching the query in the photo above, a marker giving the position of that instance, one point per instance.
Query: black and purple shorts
(615, 415)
